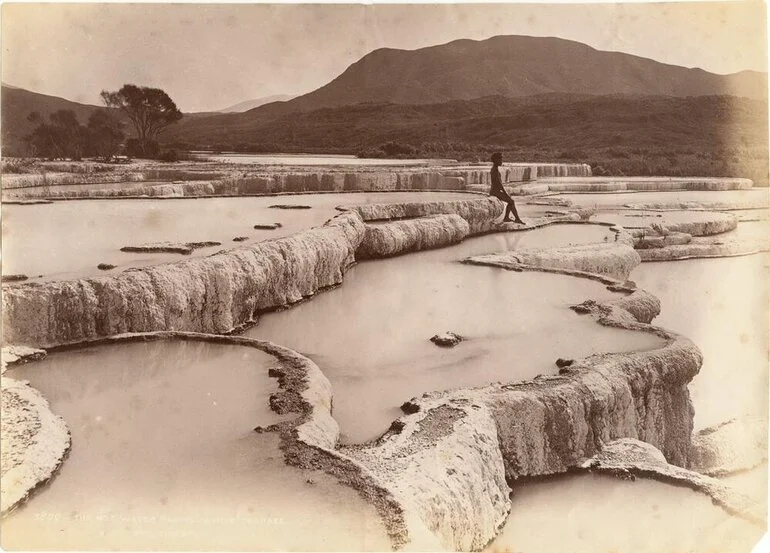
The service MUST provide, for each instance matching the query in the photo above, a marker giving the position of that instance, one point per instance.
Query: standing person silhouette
(499, 192)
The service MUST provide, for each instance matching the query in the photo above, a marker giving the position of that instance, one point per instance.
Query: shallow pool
(752, 482)
(601, 514)
(722, 306)
(69, 239)
(643, 219)
(164, 457)
(371, 335)
(753, 197)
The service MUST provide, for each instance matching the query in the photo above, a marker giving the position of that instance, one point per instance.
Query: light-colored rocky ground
(34, 442)
(628, 458)
(731, 447)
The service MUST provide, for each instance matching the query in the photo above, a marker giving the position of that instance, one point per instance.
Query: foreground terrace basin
(600, 513)
(164, 455)
(368, 435)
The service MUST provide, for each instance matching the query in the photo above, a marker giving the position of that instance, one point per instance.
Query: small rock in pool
(585, 307)
(447, 340)
(410, 407)
(276, 373)
(14, 278)
(290, 206)
(159, 247)
(561, 363)
(105, 266)
(205, 244)
(268, 226)
(169, 247)
(240, 238)
(397, 425)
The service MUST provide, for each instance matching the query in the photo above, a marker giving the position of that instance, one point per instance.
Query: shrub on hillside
(134, 149)
(18, 166)
(390, 150)
(169, 156)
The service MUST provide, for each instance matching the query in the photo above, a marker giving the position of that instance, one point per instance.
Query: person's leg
(512, 207)
(502, 199)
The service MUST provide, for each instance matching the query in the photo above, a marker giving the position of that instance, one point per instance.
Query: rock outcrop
(442, 464)
(706, 224)
(613, 259)
(411, 235)
(640, 305)
(756, 202)
(446, 339)
(622, 184)
(215, 294)
(12, 355)
(34, 442)
(674, 239)
(707, 248)
(730, 447)
(548, 426)
(629, 458)
(185, 248)
(480, 213)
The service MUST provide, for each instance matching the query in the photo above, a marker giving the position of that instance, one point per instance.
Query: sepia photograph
(473, 277)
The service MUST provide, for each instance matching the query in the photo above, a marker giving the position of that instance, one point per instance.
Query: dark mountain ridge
(516, 66)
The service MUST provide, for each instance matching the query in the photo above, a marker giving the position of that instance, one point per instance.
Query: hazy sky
(209, 56)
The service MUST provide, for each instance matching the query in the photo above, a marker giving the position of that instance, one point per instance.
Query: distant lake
(316, 159)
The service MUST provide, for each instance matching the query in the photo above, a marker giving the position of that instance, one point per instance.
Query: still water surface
(164, 456)
(69, 239)
(371, 335)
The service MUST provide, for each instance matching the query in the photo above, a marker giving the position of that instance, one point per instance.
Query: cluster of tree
(62, 136)
(391, 150)
(150, 111)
